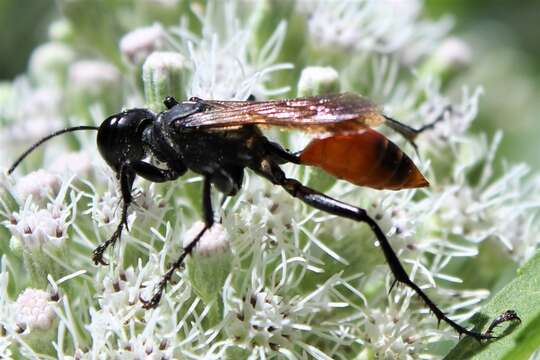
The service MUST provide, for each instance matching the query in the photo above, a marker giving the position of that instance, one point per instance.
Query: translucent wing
(318, 113)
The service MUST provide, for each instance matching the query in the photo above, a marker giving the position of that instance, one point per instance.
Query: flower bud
(33, 310)
(49, 63)
(454, 53)
(61, 31)
(163, 75)
(453, 56)
(139, 43)
(210, 262)
(35, 316)
(318, 80)
(94, 78)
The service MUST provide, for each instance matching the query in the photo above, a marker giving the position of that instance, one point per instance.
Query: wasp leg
(410, 133)
(280, 155)
(272, 172)
(154, 174)
(126, 177)
(508, 315)
(127, 174)
(208, 222)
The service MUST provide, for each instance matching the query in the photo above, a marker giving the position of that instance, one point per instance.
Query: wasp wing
(331, 113)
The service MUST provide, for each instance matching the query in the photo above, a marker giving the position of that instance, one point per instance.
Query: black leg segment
(126, 177)
(327, 204)
(153, 173)
(208, 222)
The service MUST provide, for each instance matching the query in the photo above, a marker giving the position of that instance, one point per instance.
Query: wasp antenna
(48, 137)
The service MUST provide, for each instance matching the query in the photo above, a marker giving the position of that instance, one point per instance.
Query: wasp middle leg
(208, 215)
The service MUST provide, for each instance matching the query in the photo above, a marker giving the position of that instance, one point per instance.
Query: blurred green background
(504, 37)
(505, 40)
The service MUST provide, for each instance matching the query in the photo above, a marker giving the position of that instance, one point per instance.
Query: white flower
(224, 66)
(31, 113)
(93, 76)
(453, 53)
(457, 118)
(120, 292)
(498, 208)
(105, 207)
(35, 228)
(149, 205)
(263, 322)
(49, 63)
(393, 334)
(73, 163)
(37, 184)
(373, 26)
(273, 278)
(265, 223)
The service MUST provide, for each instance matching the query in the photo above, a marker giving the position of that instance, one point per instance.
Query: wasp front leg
(128, 172)
(126, 177)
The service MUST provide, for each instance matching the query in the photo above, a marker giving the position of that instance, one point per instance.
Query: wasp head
(119, 138)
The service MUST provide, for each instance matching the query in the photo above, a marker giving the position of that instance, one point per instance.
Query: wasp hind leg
(311, 197)
(281, 155)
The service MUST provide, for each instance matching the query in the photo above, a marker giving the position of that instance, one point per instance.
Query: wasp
(221, 139)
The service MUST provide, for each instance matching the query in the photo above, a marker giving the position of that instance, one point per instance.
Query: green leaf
(518, 341)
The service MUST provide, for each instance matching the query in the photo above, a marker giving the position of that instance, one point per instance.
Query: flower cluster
(273, 278)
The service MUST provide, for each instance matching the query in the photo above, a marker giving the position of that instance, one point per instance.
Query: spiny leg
(126, 177)
(208, 222)
(508, 315)
(327, 204)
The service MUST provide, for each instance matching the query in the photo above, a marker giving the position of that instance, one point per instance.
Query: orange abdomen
(365, 158)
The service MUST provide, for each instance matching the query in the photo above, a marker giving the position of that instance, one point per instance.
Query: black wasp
(220, 139)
